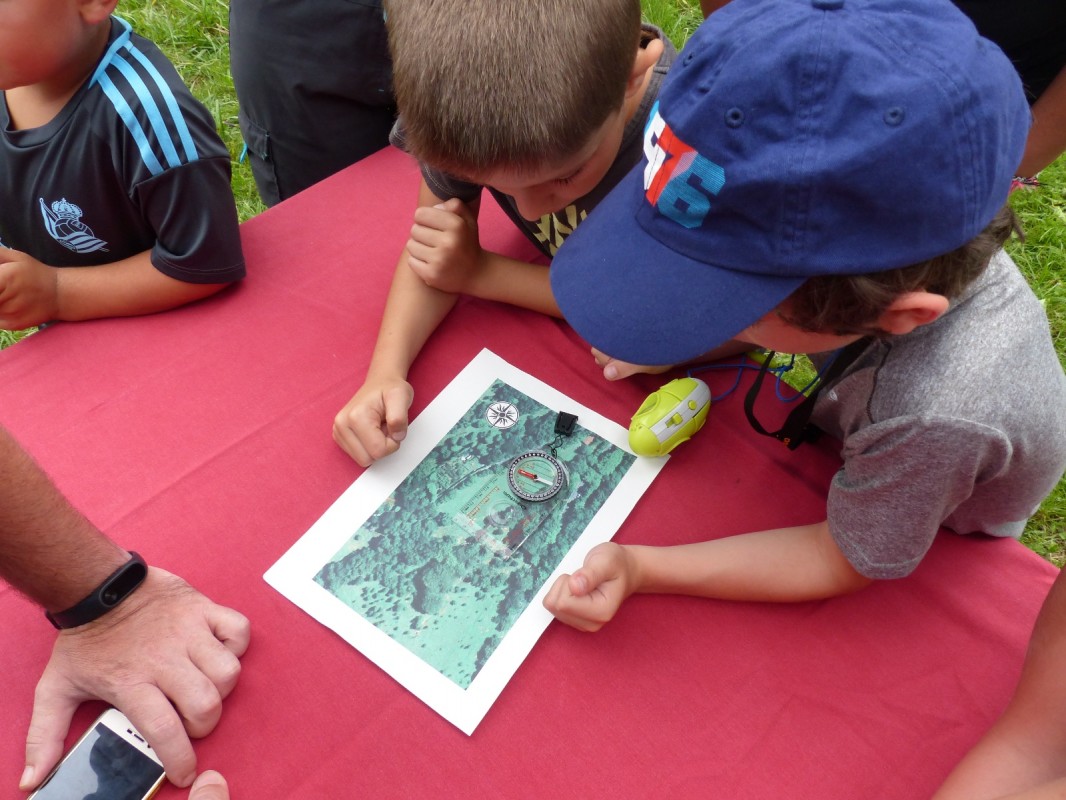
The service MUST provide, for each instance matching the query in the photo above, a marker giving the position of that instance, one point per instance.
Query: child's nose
(534, 203)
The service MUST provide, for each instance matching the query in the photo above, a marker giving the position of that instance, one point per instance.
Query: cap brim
(632, 297)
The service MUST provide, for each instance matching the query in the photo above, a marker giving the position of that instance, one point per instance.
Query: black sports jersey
(133, 162)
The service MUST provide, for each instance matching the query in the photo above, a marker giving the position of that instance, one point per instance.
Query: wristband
(116, 587)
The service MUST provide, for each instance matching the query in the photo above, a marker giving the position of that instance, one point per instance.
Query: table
(201, 438)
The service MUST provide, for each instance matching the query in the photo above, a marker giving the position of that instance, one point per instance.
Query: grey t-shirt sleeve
(900, 479)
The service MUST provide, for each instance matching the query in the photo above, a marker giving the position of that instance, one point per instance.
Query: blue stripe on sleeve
(120, 40)
(151, 108)
(172, 103)
(132, 123)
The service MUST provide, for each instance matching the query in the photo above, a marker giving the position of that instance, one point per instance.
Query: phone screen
(102, 767)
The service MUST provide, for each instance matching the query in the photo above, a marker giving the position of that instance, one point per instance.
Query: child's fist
(589, 598)
(614, 370)
(374, 422)
(444, 250)
(28, 291)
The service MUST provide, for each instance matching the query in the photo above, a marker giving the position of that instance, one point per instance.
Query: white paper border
(293, 574)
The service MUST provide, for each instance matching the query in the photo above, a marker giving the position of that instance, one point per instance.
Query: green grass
(677, 18)
(8, 338)
(1042, 258)
(193, 33)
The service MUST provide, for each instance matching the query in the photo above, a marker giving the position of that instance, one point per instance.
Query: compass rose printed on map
(501, 414)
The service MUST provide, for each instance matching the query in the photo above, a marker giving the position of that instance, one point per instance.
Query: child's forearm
(508, 280)
(1055, 790)
(124, 288)
(413, 311)
(784, 565)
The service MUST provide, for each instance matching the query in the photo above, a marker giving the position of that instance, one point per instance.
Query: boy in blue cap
(827, 174)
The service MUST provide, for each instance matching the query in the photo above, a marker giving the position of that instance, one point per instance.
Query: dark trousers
(314, 85)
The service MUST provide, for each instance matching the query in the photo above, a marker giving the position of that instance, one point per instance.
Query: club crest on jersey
(63, 222)
(678, 181)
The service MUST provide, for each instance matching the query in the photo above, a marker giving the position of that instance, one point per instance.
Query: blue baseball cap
(793, 138)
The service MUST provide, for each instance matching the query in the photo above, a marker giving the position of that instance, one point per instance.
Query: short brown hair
(849, 304)
(521, 83)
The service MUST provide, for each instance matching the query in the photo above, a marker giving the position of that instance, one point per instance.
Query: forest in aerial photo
(452, 558)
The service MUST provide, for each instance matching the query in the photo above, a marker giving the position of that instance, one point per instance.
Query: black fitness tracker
(116, 587)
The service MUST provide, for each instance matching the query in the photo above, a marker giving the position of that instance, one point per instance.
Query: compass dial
(536, 476)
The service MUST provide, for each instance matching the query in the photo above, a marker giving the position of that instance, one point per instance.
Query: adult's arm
(1047, 137)
(166, 656)
(1023, 755)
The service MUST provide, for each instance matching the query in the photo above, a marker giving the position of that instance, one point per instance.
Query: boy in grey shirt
(853, 208)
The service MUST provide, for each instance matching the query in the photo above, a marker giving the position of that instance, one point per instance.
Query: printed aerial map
(451, 559)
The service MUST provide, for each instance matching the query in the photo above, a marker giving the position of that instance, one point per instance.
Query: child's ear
(647, 57)
(94, 12)
(912, 310)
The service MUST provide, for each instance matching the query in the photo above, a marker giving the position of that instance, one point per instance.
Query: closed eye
(569, 178)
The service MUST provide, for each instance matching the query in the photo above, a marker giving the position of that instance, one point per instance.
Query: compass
(536, 475)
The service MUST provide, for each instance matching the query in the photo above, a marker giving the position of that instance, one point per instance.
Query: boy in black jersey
(115, 184)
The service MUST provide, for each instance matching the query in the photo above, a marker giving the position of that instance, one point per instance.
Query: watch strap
(115, 588)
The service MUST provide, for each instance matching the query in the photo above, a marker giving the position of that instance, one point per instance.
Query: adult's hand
(166, 658)
(209, 786)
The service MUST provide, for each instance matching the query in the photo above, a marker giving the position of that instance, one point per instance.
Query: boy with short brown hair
(563, 67)
(542, 103)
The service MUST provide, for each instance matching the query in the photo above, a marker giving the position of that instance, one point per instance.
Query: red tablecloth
(201, 438)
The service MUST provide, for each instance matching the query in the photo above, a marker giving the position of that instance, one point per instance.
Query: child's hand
(28, 291)
(614, 370)
(444, 250)
(591, 596)
(374, 422)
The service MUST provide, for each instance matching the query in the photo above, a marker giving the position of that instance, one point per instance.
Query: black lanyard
(797, 429)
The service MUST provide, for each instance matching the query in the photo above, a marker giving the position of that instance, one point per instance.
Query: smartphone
(110, 762)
